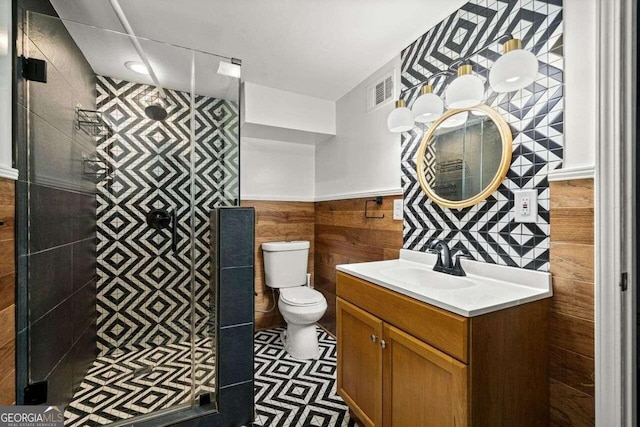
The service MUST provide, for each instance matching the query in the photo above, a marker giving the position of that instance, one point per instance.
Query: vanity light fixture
(467, 90)
(515, 69)
(401, 118)
(428, 107)
(137, 67)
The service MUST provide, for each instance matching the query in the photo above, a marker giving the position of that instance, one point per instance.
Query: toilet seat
(300, 296)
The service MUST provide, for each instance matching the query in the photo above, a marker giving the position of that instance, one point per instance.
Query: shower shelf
(95, 168)
(91, 122)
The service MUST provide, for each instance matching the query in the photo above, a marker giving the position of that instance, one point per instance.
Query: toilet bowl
(301, 308)
(285, 266)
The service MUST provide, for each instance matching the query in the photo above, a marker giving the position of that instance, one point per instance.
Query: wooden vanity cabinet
(360, 382)
(402, 362)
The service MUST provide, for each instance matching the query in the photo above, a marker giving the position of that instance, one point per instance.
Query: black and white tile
(114, 389)
(535, 115)
(296, 393)
(288, 392)
(144, 295)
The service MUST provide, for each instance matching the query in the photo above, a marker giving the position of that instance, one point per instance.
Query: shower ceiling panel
(321, 48)
(108, 51)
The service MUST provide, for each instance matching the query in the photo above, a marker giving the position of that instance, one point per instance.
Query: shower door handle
(174, 231)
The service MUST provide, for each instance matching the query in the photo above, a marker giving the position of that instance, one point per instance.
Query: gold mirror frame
(505, 161)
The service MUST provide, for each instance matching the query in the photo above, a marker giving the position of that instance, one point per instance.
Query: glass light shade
(514, 70)
(400, 119)
(464, 92)
(427, 108)
(456, 120)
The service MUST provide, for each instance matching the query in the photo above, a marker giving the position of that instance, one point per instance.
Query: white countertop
(485, 288)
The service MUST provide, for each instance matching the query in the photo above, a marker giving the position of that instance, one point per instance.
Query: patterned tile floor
(296, 393)
(288, 392)
(111, 392)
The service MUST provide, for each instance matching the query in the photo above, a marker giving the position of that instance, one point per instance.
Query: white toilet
(285, 268)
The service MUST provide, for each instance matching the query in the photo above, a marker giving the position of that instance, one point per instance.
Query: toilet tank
(285, 263)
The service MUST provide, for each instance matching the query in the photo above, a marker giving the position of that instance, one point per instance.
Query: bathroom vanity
(419, 348)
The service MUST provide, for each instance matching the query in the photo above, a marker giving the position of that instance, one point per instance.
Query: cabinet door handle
(373, 338)
(383, 343)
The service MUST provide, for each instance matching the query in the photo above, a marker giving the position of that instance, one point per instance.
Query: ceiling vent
(381, 91)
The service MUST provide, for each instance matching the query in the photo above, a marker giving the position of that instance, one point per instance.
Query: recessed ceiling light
(137, 67)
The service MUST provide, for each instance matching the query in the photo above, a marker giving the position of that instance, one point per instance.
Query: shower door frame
(230, 403)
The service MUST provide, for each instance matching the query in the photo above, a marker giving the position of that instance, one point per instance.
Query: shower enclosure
(117, 310)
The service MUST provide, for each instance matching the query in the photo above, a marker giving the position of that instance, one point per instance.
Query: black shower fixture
(156, 111)
(153, 100)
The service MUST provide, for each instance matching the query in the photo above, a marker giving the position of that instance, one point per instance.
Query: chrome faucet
(444, 263)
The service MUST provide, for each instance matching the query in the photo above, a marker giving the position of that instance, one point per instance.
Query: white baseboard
(275, 198)
(326, 198)
(565, 174)
(360, 194)
(8, 173)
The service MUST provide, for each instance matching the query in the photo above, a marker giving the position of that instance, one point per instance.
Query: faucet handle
(457, 267)
(462, 254)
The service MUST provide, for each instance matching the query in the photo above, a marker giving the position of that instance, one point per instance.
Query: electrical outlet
(397, 209)
(526, 205)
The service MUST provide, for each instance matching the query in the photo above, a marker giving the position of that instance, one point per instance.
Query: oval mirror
(464, 156)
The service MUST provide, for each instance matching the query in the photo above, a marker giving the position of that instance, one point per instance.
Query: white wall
(279, 109)
(580, 53)
(363, 158)
(276, 170)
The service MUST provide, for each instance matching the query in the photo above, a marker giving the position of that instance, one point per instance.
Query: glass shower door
(134, 167)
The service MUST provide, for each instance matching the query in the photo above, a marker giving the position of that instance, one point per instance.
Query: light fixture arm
(432, 77)
(452, 68)
(500, 39)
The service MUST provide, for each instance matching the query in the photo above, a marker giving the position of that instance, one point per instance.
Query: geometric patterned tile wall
(144, 290)
(535, 115)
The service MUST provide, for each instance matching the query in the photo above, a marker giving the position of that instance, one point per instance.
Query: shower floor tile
(288, 392)
(120, 387)
(296, 393)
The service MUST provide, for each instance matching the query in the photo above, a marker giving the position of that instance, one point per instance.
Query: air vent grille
(381, 91)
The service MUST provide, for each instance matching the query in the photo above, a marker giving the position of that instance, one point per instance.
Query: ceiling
(321, 48)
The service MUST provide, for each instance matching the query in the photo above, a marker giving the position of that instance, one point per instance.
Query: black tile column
(233, 260)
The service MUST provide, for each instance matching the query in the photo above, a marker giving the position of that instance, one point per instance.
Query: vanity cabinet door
(422, 385)
(360, 362)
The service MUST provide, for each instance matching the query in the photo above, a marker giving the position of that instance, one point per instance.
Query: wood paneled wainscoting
(338, 232)
(572, 310)
(7, 292)
(343, 235)
(278, 221)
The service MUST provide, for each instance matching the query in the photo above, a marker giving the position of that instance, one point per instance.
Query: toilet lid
(300, 295)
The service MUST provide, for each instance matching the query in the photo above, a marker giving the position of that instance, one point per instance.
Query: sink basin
(486, 287)
(426, 277)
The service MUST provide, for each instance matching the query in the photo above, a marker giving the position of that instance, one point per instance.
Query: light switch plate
(397, 209)
(526, 205)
